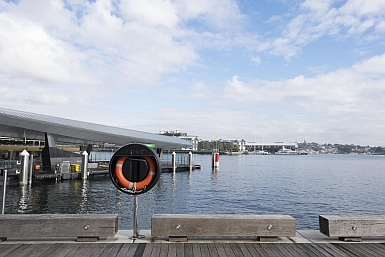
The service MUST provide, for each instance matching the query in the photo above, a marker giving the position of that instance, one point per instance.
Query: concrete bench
(86, 227)
(178, 227)
(352, 228)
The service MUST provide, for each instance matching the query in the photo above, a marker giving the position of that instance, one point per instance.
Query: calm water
(301, 186)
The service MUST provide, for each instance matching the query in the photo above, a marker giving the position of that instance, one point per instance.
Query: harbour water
(303, 186)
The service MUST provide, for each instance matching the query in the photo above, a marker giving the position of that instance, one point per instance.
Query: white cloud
(153, 12)
(323, 106)
(256, 59)
(26, 50)
(320, 18)
(344, 86)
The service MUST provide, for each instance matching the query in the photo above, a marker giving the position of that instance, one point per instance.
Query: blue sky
(272, 70)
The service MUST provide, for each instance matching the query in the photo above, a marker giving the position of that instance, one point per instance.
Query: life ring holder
(138, 185)
(150, 170)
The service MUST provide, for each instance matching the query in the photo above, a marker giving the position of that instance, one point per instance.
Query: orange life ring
(135, 185)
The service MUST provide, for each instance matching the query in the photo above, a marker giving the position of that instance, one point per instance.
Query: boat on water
(260, 152)
(286, 151)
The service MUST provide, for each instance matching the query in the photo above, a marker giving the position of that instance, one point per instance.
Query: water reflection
(23, 205)
(83, 202)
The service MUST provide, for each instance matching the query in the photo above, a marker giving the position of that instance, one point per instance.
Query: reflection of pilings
(83, 203)
(5, 177)
(23, 202)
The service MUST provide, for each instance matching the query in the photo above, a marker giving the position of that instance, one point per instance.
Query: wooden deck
(192, 249)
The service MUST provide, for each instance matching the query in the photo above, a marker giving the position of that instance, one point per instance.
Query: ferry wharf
(305, 243)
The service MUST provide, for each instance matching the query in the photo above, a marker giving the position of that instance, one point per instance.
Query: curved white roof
(17, 123)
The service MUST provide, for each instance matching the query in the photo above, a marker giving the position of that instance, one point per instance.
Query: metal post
(23, 176)
(5, 177)
(84, 165)
(190, 160)
(30, 168)
(135, 231)
(173, 159)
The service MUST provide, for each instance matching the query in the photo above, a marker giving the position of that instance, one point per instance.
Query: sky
(258, 70)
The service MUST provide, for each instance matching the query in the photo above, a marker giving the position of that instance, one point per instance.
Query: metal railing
(9, 164)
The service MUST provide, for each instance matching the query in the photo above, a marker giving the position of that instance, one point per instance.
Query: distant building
(271, 147)
(184, 136)
(241, 143)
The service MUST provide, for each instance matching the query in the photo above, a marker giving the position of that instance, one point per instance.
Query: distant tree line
(342, 148)
(220, 146)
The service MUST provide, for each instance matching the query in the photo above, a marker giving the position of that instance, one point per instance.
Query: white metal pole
(173, 161)
(5, 177)
(84, 165)
(30, 168)
(190, 160)
(23, 177)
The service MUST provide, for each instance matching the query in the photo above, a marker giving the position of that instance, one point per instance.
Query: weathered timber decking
(192, 249)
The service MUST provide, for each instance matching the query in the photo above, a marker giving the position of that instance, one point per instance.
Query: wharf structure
(32, 128)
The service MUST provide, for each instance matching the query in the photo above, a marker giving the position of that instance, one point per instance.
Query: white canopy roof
(34, 126)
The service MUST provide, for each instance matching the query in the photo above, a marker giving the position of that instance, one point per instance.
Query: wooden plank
(107, 250)
(294, 248)
(368, 251)
(378, 247)
(235, 247)
(275, 250)
(188, 250)
(317, 250)
(20, 251)
(5, 249)
(229, 252)
(196, 250)
(352, 248)
(180, 249)
(222, 225)
(213, 250)
(58, 225)
(172, 250)
(352, 226)
(220, 250)
(36, 250)
(148, 250)
(123, 251)
(254, 253)
(136, 250)
(342, 248)
(268, 250)
(61, 250)
(155, 250)
(95, 251)
(75, 250)
(204, 250)
(245, 252)
(163, 250)
(114, 250)
(334, 251)
(283, 250)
